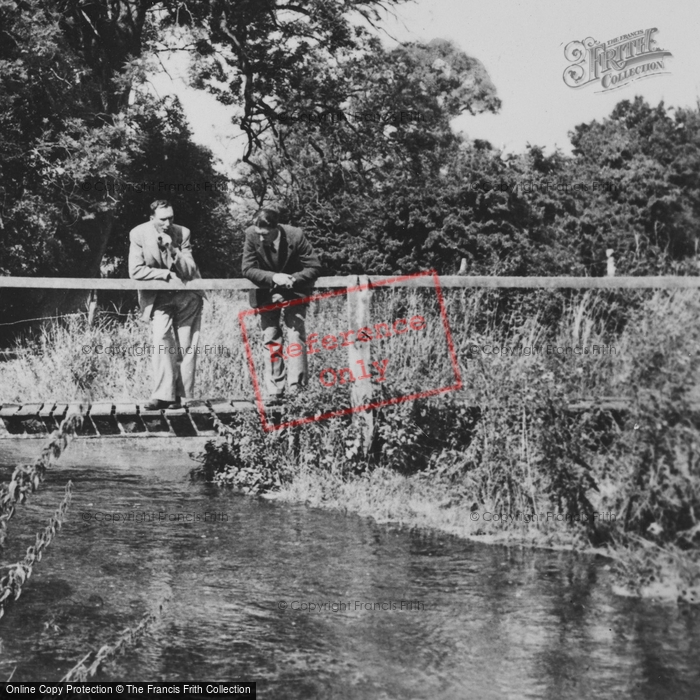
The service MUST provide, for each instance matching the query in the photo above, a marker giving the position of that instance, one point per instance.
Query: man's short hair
(159, 204)
(267, 217)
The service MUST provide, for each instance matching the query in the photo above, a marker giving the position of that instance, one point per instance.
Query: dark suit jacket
(295, 257)
(146, 261)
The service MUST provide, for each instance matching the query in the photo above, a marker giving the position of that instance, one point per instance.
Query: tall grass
(69, 360)
(513, 448)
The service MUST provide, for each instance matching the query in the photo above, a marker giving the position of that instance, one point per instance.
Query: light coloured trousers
(176, 320)
(294, 371)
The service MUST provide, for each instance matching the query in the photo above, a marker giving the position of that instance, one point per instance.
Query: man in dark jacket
(280, 260)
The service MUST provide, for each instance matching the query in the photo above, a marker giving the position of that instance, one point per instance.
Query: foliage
(189, 180)
(521, 451)
(651, 156)
(78, 140)
(658, 455)
(378, 178)
(246, 458)
(81, 132)
(349, 158)
(255, 54)
(400, 191)
(51, 141)
(111, 360)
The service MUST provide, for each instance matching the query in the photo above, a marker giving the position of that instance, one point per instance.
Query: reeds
(517, 449)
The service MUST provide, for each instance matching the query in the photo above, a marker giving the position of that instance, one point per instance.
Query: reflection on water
(477, 621)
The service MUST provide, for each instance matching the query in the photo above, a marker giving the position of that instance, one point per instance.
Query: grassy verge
(516, 464)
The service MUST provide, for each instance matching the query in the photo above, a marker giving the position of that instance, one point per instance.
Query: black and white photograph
(350, 349)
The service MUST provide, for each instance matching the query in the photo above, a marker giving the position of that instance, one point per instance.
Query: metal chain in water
(11, 583)
(81, 672)
(27, 477)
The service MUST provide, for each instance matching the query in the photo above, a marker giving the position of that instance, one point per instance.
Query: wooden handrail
(448, 281)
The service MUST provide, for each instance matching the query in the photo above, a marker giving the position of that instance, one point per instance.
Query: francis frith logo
(614, 63)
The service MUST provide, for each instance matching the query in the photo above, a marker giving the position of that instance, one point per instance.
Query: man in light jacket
(161, 250)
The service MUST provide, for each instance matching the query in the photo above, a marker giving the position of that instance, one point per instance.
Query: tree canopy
(81, 132)
(352, 137)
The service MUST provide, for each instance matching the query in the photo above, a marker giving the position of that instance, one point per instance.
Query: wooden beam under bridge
(110, 420)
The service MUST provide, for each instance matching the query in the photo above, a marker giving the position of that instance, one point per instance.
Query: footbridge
(130, 419)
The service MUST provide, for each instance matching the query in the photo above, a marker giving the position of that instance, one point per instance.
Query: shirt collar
(276, 243)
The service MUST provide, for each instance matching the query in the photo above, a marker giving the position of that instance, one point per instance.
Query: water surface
(399, 614)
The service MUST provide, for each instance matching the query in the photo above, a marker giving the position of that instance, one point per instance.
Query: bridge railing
(448, 281)
(358, 303)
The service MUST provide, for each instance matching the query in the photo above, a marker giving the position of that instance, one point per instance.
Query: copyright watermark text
(335, 606)
(156, 187)
(543, 349)
(146, 350)
(544, 517)
(142, 516)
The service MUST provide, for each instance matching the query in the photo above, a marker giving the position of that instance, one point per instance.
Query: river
(315, 604)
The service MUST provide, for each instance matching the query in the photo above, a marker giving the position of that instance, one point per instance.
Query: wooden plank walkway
(110, 420)
(106, 420)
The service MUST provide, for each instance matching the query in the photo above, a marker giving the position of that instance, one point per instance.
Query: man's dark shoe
(190, 403)
(158, 405)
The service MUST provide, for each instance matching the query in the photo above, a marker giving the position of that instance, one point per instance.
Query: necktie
(272, 253)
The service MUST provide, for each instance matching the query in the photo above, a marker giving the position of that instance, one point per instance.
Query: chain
(27, 477)
(128, 638)
(11, 583)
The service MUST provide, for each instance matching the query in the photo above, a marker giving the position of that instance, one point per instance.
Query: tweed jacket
(295, 256)
(148, 262)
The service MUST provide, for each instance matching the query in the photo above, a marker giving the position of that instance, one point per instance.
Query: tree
(73, 114)
(169, 165)
(649, 208)
(66, 163)
(255, 53)
(355, 160)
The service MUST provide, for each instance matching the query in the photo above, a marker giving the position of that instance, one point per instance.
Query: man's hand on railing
(281, 280)
(175, 282)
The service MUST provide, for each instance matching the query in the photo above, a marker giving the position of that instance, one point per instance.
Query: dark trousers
(294, 371)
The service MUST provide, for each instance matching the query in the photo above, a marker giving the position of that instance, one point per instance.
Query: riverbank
(665, 575)
(621, 480)
(387, 497)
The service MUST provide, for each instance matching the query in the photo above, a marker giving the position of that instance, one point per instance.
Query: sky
(521, 45)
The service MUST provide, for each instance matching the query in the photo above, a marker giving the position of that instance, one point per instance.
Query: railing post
(92, 307)
(359, 357)
(611, 262)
